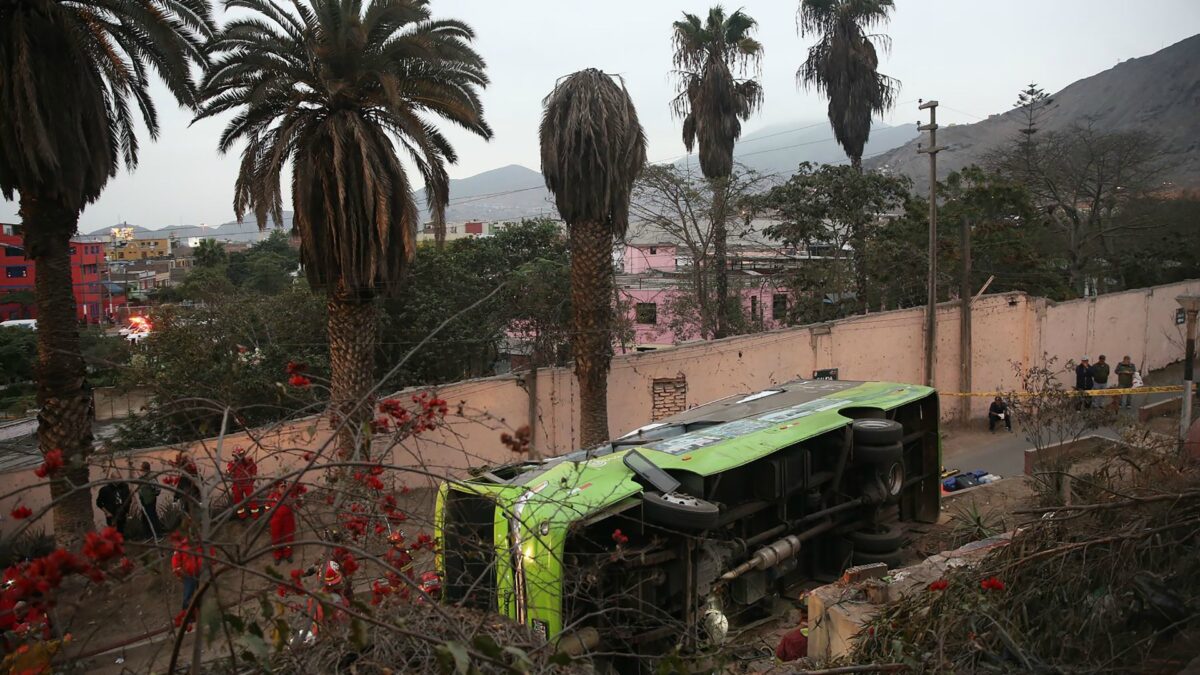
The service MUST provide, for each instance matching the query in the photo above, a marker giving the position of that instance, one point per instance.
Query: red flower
(104, 545)
(991, 584)
(939, 585)
(299, 380)
(53, 462)
(294, 368)
(125, 565)
(310, 456)
(619, 537)
(423, 541)
(21, 512)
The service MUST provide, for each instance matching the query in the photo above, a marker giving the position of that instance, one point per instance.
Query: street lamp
(1191, 305)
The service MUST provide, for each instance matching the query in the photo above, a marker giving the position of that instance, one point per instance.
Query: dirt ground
(127, 627)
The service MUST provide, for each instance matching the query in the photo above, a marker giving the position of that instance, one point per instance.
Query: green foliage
(232, 351)
(531, 257)
(836, 214)
(18, 351)
(210, 253)
(105, 355)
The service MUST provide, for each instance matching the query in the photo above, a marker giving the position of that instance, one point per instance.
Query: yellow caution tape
(1088, 392)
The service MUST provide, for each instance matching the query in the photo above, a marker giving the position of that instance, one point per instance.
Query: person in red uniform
(242, 470)
(331, 594)
(186, 563)
(283, 526)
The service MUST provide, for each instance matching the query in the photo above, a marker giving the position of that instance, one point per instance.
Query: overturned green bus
(664, 536)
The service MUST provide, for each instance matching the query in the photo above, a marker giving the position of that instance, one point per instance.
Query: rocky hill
(1158, 93)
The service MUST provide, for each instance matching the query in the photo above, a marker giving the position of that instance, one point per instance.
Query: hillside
(1159, 93)
(515, 191)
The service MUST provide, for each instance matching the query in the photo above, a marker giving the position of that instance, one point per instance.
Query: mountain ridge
(1158, 92)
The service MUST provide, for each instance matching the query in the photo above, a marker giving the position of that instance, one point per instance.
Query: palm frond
(335, 88)
(593, 149)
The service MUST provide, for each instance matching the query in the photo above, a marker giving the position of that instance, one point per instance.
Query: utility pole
(1191, 305)
(964, 323)
(931, 302)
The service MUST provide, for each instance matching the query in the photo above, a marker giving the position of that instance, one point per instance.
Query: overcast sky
(973, 56)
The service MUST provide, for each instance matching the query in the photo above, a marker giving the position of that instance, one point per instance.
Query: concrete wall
(1008, 328)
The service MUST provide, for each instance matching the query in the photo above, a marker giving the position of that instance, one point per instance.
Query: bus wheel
(679, 511)
(877, 540)
(877, 432)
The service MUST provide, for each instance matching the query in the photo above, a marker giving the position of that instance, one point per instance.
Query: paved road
(1003, 453)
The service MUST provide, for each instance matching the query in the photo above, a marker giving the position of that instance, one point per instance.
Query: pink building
(651, 304)
(643, 258)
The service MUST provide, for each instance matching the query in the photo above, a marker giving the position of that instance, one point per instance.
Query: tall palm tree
(844, 66)
(713, 104)
(593, 148)
(70, 73)
(334, 87)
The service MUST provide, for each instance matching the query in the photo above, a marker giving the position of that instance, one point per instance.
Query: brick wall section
(668, 396)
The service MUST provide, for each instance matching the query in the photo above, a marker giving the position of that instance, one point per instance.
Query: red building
(95, 298)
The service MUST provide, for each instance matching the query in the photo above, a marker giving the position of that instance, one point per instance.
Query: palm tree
(844, 66)
(713, 104)
(209, 253)
(334, 87)
(71, 72)
(592, 151)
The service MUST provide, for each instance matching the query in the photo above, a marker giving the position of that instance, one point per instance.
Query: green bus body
(542, 503)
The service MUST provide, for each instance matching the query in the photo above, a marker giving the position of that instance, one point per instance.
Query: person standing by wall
(1100, 373)
(283, 526)
(1125, 372)
(185, 563)
(113, 500)
(148, 499)
(1083, 383)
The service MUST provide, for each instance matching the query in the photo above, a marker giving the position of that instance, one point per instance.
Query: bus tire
(679, 511)
(878, 540)
(879, 454)
(893, 560)
(876, 431)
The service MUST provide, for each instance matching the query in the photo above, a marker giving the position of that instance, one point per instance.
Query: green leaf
(264, 602)
(453, 658)
(486, 646)
(521, 663)
(358, 634)
(235, 623)
(210, 617)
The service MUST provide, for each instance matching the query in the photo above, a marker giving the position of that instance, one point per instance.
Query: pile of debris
(1108, 585)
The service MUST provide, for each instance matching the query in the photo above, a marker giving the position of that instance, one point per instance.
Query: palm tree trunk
(353, 332)
(720, 256)
(856, 163)
(63, 394)
(439, 235)
(591, 319)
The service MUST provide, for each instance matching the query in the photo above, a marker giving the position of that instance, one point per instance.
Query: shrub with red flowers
(299, 381)
(105, 545)
(29, 587)
(519, 441)
(939, 585)
(427, 413)
(51, 463)
(620, 537)
(991, 584)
